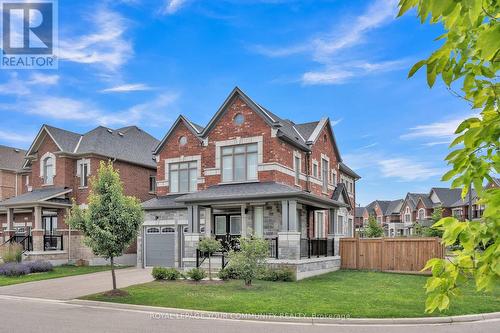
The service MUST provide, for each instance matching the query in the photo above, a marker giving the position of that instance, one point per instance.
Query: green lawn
(59, 271)
(353, 293)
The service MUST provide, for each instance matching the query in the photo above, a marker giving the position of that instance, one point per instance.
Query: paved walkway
(71, 287)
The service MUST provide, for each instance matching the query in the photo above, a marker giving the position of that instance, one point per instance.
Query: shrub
(172, 274)
(12, 253)
(39, 266)
(196, 274)
(373, 230)
(227, 273)
(159, 273)
(14, 269)
(284, 274)
(250, 260)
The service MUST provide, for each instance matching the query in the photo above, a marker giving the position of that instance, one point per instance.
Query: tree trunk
(209, 268)
(113, 272)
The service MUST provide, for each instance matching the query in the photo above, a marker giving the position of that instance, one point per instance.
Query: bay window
(239, 163)
(183, 177)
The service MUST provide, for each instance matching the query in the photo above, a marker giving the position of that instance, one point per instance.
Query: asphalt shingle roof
(11, 158)
(345, 169)
(359, 211)
(447, 196)
(129, 143)
(35, 196)
(163, 202)
(394, 207)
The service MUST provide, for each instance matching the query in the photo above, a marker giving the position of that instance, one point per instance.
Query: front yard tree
(250, 259)
(469, 56)
(111, 221)
(209, 246)
(373, 229)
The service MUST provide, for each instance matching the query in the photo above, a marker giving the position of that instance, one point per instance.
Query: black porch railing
(25, 241)
(317, 247)
(273, 247)
(53, 242)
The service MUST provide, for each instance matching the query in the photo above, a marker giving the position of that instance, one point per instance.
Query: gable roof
(465, 201)
(130, 144)
(394, 207)
(192, 127)
(447, 196)
(11, 158)
(37, 196)
(348, 171)
(359, 211)
(341, 190)
(299, 135)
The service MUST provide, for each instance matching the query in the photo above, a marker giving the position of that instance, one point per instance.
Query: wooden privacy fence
(389, 254)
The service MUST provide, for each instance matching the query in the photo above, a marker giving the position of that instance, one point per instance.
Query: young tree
(469, 55)
(431, 231)
(250, 259)
(209, 246)
(111, 221)
(373, 229)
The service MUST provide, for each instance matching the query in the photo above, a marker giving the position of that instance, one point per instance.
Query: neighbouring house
(249, 172)
(59, 164)
(386, 212)
(358, 219)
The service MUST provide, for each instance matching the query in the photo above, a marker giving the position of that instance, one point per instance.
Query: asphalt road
(40, 315)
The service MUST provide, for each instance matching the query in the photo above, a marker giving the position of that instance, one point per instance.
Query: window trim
(45, 168)
(297, 166)
(325, 166)
(245, 154)
(189, 168)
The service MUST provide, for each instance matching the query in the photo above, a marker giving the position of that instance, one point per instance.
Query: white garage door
(160, 246)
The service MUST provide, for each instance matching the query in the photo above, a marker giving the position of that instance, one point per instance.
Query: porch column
(10, 232)
(243, 220)
(38, 232)
(192, 237)
(208, 221)
(289, 237)
(331, 236)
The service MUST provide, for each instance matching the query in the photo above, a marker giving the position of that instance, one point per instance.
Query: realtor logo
(29, 34)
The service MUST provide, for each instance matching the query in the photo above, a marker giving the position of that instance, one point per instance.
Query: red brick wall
(274, 149)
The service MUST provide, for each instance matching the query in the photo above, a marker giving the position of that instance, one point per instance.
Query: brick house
(59, 164)
(249, 172)
(386, 212)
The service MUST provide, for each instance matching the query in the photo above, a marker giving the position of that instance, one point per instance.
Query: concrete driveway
(71, 287)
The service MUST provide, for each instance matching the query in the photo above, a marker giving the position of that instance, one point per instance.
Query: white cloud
(332, 49)
(106, 45)
(172, 6)
(439, 129)
(20, 87)
(406, 169)
(44, 79)
(15, 137)
(127, 88)
(335, 122)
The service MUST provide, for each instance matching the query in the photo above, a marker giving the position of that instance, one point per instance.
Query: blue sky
(143, 62)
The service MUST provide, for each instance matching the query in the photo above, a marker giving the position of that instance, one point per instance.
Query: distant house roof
(130, 144)
(37, 196)
(163, 202)
(465, 201)
(11, 158)
(345, 169)
(253, 191)
(394, 207)
(447, 196)
(359, 211)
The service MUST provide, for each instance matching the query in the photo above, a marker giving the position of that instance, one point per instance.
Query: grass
(59, 271)
(342, 293)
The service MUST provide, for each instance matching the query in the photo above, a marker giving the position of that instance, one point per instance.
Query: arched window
(421, 214)
(48, 170)
(407, 215)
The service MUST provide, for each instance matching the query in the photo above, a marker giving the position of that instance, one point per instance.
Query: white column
(208, 221)
(284, 215)
(243, 220)
(10, 219)
(292, 216)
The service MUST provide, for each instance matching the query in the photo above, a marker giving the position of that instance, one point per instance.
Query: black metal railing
(317, 247)
(273, 247)
(25, 241)
(53, 242)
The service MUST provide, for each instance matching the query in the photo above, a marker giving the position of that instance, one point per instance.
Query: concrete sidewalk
(71, 287)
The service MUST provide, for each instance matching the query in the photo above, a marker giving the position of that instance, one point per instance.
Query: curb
(163, 313)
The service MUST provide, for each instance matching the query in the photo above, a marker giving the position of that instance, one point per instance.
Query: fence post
(197, 258)
(357, 252)
(276, 248)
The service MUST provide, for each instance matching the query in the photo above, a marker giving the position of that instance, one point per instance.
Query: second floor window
(421, 214)
(239, 163)
(48, 170)
(324, 174)
(183, 177)
(297, 169)
(152, 184)
(84, 175)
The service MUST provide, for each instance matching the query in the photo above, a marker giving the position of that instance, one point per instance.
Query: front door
(227, 229)
(49, 224)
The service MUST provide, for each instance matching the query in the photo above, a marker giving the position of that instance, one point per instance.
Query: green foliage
(250, 260)
(159, 273)
(173, 274)
(209, 246)
(12, 252)
(227, 273)
(373, 229)
(283, 274)
(469, 55)
(111, 221)
(196, 274)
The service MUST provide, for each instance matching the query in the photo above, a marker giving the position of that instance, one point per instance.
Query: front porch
(302, 230)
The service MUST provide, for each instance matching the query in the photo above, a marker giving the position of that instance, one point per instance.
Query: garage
(160, 246)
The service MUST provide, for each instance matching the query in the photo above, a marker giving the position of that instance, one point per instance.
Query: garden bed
(342, 293)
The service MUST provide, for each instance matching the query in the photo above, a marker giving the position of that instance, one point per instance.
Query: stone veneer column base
(37, 235)
(191, 241)
(305, 268)
(289, 245)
